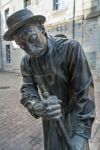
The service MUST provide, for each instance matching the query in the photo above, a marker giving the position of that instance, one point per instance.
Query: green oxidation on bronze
(61, 66)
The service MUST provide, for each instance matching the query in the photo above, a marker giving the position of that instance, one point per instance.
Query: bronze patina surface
(60, 65)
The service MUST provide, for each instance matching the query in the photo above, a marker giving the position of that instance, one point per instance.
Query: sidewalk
(18, 129)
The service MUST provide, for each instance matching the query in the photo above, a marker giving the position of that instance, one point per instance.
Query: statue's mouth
(36, 53)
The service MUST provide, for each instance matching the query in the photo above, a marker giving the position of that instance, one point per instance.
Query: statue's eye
(32, 38)
(24, 36)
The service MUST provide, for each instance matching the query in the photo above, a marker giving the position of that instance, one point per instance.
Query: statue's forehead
(29, 27)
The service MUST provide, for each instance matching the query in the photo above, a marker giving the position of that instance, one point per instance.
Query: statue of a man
(60, 65)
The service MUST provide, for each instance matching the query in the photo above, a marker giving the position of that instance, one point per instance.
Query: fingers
(55, 114)
(50, 112)
(53, 100)
(51, 115)
(53, 108)
(53, 111)
(49, 109)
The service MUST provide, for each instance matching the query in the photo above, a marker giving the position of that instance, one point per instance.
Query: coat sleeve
(29, 89)
(82, 87)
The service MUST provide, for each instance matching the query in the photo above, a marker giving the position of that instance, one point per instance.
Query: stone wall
(16, 55)
(81, 22)
(86, 30)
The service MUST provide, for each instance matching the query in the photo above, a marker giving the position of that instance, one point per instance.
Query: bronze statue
(59, 68)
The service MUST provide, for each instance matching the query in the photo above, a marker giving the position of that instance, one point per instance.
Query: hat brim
(8, 36)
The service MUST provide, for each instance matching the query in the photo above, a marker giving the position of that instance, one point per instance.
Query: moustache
(35, 51)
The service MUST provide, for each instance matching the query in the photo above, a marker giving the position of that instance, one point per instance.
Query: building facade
(78, 19)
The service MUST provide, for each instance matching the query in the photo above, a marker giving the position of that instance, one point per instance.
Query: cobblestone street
(18, 129)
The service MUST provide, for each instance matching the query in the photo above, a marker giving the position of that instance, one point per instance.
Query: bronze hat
(18, 19)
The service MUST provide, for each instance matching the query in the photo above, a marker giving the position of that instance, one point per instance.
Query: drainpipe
(1, 56)
(1, 53)
(73, 20)
(82, 20)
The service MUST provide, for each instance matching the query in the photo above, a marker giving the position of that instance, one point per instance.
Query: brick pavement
(95, 139)
(18, 129)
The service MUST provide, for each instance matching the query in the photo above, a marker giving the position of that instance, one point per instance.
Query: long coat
(63, 70)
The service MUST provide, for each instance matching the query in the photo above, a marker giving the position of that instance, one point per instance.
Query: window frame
(6, 13)
(56, 5)
(26, 5)
(8, 54)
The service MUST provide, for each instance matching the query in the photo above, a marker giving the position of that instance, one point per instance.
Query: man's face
(31, 39)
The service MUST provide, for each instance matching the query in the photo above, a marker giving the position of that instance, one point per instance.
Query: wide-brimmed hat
(18, 19)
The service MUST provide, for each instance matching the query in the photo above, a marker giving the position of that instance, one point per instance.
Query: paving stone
(98, 147)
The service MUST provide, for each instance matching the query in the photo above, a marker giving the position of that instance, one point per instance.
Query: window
(27, 3)
(6, 16)
(6, 13)
(58, 4)
(8, 54)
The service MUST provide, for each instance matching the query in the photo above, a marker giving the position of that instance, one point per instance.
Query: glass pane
(60, 4)
(27, 2)
(6, 13)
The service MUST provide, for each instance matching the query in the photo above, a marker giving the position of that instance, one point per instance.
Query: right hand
(49, 108)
